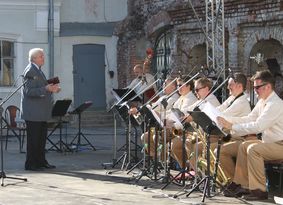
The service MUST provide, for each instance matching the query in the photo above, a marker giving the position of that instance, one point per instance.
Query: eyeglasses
(198, 89)
(259, 86)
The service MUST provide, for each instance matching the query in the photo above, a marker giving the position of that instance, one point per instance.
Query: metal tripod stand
(80, 135)
(126, 156)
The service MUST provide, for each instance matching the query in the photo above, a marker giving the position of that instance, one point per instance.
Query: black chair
(14, 125)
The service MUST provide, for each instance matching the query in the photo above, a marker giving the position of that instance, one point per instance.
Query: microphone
(258, 58)
(29, 77)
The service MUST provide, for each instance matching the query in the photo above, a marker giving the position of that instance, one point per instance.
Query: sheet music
(176, 116)
(211, 112)
(157, 118)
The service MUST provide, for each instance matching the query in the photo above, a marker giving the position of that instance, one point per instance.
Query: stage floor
(80, 179)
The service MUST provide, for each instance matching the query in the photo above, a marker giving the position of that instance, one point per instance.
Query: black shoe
(238, 192)
(48, 166)
(33, 168)
(232, 187)
(256, 195)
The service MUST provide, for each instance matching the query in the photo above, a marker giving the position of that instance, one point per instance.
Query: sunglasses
(259, 86)
(198, 89)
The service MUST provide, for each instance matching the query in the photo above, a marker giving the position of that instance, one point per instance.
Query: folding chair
(15, 125)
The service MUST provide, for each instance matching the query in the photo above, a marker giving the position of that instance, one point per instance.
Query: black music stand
(121, 108)
(152, 120)
(59, 110)
(209, 128)
(130, 94)
(78, 111)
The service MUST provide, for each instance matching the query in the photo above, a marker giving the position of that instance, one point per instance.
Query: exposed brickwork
(249, 25)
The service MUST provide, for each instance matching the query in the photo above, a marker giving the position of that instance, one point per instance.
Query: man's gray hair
(33, 53)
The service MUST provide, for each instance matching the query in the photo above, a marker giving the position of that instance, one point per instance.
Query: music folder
(121, 93)
(54, 80)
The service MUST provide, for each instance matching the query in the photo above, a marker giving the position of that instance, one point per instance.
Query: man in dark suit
(36, 108)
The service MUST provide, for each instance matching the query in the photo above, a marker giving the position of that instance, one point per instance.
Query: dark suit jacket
(36, 102)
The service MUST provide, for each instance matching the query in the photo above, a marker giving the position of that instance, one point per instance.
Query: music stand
(209, 128)
(121, 108)
(78, 111)
(152, 120)
(59, 110)
(121, 93)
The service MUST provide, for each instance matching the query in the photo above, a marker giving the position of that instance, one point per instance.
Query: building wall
(93, 11)
(65, 67)
(90, 17)
(247, 24)
(25, 23)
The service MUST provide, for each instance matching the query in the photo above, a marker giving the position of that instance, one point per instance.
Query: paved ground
(80, 179)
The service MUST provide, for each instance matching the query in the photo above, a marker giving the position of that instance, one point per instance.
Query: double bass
(148, 94)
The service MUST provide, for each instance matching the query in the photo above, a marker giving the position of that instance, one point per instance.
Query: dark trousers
(36, 141)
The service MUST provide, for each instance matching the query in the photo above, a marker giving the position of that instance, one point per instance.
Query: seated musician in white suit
(142, 79)
(170, 86)
(202, 89)
(265, 118)
(237, 105)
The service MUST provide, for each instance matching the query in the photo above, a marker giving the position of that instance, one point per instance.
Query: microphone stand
(2, 174)
(162, 90)
(217, 88)
(143, 90)
(125, 95)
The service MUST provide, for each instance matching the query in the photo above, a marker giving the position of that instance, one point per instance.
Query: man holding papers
(237, 105)
(265, 118)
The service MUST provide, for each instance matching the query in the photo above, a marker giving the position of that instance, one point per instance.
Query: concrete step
(93, 118)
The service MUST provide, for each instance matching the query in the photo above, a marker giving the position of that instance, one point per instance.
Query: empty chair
(15, 125)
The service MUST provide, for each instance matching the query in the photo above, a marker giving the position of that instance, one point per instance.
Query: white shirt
(239, 107)
(148, 80)
(185, 101)
(265, 118)
(159, 107)
(211, 98)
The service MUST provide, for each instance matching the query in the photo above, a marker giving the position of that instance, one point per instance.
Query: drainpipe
(51, 37)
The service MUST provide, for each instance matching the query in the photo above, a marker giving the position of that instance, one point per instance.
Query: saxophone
(221, 178)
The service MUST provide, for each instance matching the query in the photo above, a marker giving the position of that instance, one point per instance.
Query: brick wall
(247, 23)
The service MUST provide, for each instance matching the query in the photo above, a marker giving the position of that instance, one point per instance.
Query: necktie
(42, 74)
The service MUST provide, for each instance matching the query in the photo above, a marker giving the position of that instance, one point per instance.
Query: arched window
(162, 58)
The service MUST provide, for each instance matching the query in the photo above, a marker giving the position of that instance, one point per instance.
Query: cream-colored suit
(266, 118)
(236, 107)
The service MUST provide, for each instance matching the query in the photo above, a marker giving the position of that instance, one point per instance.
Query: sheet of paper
(211, 112)
(174, 116)
(157, 118)
(278, 200)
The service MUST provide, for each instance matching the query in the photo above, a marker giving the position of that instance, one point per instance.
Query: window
(6, 63)
(163, 52)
